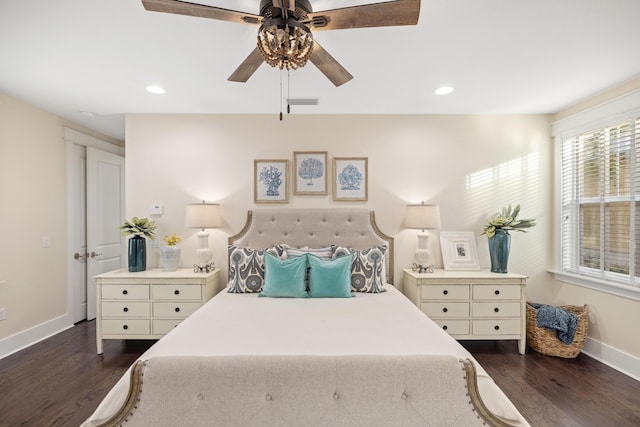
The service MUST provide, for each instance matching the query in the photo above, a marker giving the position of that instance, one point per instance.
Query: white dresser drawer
(496, 292)
(125, 326)
(126, 309)
(163, 326)
(496, 327)
(148, 304)
(125, 292)
(174, 292)
(454, 326)
(445, 309)
(471, 304)
(445, 291)
(174, 309)
(496, 309)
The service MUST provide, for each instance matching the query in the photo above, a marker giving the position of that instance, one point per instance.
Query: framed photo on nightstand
(459, 250)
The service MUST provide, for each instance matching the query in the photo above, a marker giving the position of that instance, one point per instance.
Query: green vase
(499, 246)
(137, 254)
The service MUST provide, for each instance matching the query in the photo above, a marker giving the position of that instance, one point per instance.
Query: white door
(78, 231)
(105, 213)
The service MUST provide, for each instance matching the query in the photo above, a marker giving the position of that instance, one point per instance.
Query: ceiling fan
(284, 37)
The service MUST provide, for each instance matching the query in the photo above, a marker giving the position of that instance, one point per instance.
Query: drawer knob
(176, 292)
(446, 292)
(445, 327)
(125, 327)
(177, 309)
(125, 309)
(445, 309)
(496, 309)
(124, 292)
(497, 292)
(497, 328)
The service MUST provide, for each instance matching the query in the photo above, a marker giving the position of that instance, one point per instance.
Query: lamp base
(423, 256)
(203, 254)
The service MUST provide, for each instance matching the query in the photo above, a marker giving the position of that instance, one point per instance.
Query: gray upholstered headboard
(315, 228)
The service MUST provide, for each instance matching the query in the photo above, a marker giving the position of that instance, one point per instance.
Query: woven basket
(546, 341)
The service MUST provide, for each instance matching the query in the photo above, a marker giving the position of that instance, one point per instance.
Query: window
(600, 203)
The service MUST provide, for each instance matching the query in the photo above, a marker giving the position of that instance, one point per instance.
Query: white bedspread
(369, 324)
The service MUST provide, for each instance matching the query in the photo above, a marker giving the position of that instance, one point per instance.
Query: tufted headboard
(315, 228)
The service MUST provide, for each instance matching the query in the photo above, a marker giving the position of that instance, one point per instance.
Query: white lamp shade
(422, 216)
(203, 215)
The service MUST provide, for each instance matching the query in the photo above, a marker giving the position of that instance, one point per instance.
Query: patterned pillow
(246, 268)
(322, 253)
(325, 254)
(368, 271)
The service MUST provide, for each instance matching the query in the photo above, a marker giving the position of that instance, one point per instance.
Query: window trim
(596, 284)
(625, 107)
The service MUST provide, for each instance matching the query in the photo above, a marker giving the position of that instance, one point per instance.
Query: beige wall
(471, 165)
(33, 205)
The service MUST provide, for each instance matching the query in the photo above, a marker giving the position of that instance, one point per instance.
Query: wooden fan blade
(329, 66)
(199, 10)
(386, 14)
(248, 67)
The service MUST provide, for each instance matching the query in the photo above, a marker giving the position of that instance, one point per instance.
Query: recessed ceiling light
(87, 113)
(155, 89)
(443, 90)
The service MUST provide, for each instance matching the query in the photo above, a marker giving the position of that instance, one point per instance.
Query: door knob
(94, 254)
(79, 257)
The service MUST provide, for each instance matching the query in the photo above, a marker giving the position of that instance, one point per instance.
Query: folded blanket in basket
(557, 318)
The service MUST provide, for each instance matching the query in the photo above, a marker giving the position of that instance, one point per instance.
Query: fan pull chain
(281, 95)
(288, 96)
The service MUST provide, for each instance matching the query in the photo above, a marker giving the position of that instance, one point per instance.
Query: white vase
(170, 258)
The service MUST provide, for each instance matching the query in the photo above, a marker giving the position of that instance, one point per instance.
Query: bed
(240, 347)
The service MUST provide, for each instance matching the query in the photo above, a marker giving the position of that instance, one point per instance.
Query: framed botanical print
(350, 176)
(459, 251)
(310, 172)
(271, 181)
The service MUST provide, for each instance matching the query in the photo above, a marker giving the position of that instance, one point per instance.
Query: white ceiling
(502, 56)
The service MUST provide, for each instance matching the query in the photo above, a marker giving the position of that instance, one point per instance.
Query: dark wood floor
(60, 381)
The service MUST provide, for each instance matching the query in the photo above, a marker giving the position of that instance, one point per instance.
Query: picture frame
(310, 173)
(459, 250)
(350, 179)
(271, 181)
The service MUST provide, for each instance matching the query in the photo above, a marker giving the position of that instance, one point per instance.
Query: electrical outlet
(2, 313)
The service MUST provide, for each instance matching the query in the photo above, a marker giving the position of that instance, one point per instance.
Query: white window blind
(600, 204)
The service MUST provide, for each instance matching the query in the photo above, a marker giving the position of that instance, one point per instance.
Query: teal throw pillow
(284, 278)
(330, 279)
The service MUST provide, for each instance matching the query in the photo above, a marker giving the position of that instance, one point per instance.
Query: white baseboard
(24, 339)
(613, 357)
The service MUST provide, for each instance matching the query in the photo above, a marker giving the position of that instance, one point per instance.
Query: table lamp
(203, 215)
(423, 217)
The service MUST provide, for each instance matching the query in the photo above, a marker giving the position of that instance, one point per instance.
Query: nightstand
(472, 305)
(148, 304)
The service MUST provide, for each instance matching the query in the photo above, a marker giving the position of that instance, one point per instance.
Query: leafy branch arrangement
(139, 227)
(508, 220)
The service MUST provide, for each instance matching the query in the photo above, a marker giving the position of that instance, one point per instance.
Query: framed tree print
(310, 172)
(271, 181)
(350, 176)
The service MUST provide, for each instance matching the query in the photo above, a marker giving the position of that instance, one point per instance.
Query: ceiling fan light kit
(285, 48)
(284, 38)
